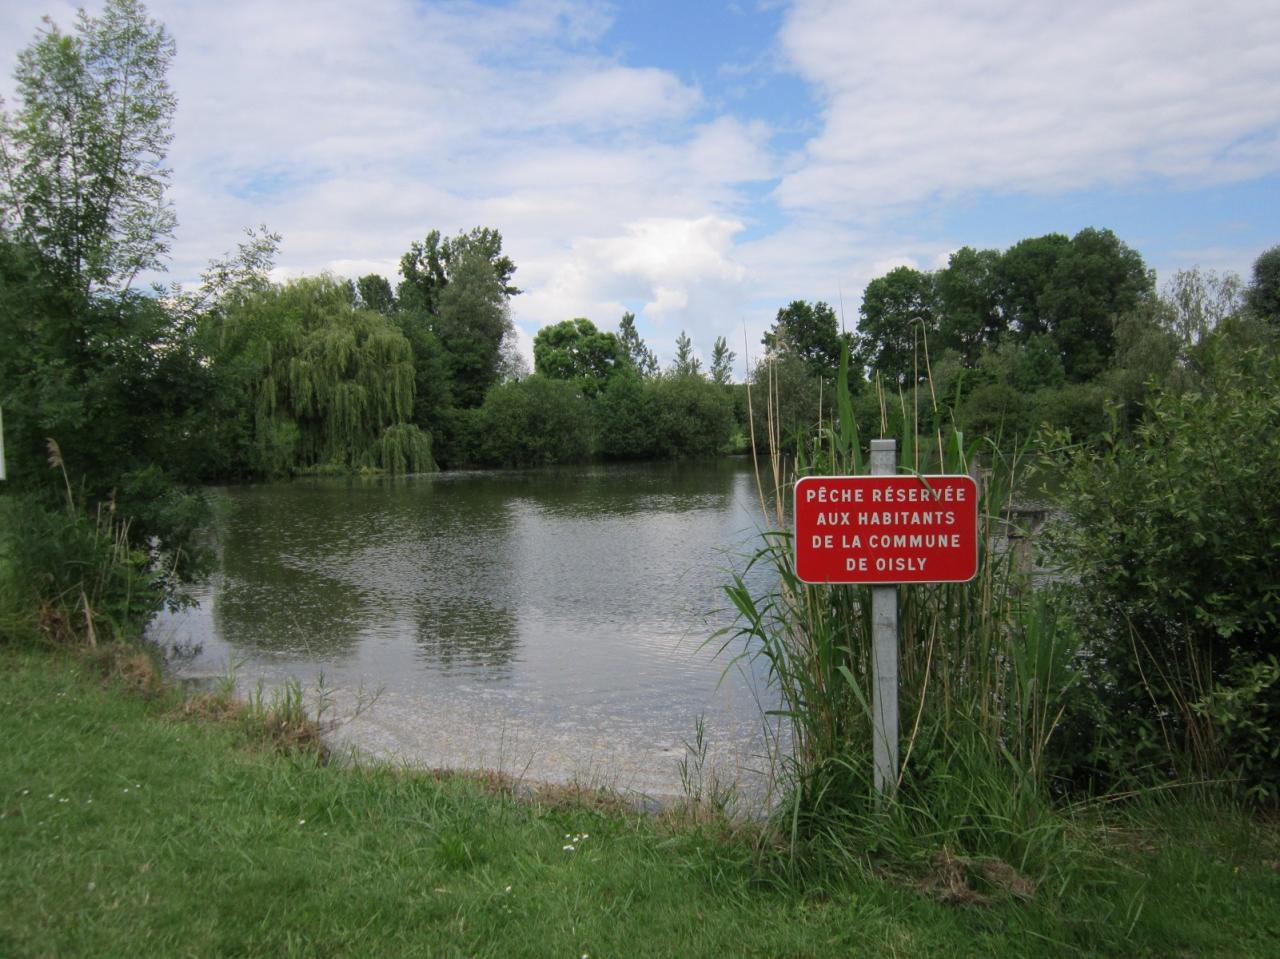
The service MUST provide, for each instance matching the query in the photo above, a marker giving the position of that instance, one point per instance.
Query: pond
(551, 624)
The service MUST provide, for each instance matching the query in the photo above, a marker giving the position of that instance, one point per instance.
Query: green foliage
(70, 577)
(994, 410)
(403, 448)
(536, 421)
(898, 311)
(1199, 301)
(575, 350)
(809, 332)
(375, 294)
(1263, 295)
(1076, 410)
(117, 381)
(721, 362)
(694, 417)
(472, 322)
(785, 396)
(968, 303)
(325, 380)
(642, 358)
(685, 362)
(115, 378)
(430, 266)
(1022, 275)
(626, 419)
(83, 158)
(1172, 536)
(1095, 280)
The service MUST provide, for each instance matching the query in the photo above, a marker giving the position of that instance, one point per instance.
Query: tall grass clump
(983, 666)
(72, 576)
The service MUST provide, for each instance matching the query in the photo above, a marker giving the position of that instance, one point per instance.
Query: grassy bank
(130, 829)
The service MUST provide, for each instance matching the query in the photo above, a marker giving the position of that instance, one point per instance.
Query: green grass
(127, 831)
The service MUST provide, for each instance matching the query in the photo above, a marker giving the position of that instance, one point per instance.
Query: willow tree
(330, 384)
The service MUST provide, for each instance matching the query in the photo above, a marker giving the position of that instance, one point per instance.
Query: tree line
(148, 391)
(1056, 332)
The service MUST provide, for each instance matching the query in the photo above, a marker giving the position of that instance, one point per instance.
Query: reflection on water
(562, 612)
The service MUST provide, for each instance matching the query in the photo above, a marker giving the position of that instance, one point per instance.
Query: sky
(703, 164)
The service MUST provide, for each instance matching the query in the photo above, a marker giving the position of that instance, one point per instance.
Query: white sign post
(884, 652)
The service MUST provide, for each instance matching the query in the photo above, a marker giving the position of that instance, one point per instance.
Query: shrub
(1173, 536)
(534, 422)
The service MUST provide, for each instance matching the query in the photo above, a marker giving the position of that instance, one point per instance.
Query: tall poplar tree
(83, 158)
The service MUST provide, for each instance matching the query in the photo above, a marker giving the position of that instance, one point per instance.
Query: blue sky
(703, 164)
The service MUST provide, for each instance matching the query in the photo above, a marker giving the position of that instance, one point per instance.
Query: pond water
(552, 624)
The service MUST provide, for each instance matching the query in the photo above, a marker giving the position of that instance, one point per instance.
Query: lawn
(130, 828)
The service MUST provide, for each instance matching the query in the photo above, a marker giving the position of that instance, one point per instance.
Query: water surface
(551, 623)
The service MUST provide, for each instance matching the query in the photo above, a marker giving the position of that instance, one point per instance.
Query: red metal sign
(886, 529)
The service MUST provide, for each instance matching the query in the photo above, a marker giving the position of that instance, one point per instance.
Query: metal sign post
(884, 652)
(886, 530)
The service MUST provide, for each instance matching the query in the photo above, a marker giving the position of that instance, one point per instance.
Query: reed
(983, 667)
(72, 576)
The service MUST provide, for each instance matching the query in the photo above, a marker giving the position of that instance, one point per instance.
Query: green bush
(1173, 537)
(533, 422)
(71, 577)
(695, 416)
(626, 419)
(1078, 409)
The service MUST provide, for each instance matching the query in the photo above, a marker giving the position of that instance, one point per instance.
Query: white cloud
(354, 129)
(942, 98)
(674, 273)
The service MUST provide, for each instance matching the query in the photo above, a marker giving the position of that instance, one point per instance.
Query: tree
(969, 316)
(1263, 295)
(694, 417)
(1172, 544)
(722, 362)
(1199, 301)
(1096, 279)
(375, 294)
(472, 321)
(534, 422)
(642, 358)
(896, 309)
(458, 289)
(115, 378)
(810, 332)
(575, 350)
(1021, 277)
(626, 417)
(83, 158)
(685, 363)
(329, 384)
(797, 397)
(428, 267)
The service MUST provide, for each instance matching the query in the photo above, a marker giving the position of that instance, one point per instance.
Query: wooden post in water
(884, 652)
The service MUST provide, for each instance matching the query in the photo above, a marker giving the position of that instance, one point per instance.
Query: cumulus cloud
(943, 98)
(617, 184)
(674, 273)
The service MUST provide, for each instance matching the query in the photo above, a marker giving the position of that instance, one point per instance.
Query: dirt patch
(963, 881)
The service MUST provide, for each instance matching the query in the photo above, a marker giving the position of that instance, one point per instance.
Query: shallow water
(550, 623)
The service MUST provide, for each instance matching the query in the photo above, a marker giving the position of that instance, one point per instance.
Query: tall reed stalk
(982, 669)
(73, 577)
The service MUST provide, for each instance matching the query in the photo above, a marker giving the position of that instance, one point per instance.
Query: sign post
(884, 652)
(884, 530)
